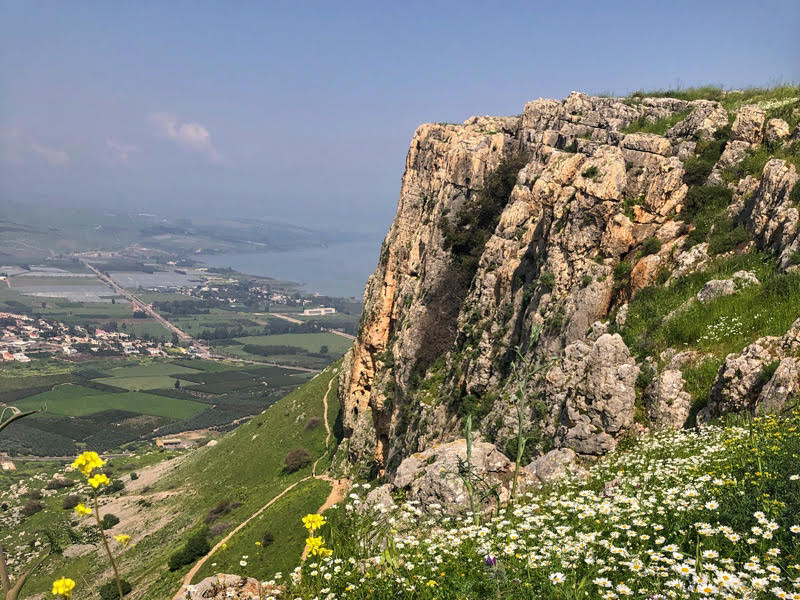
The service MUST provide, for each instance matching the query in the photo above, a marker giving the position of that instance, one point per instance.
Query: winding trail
(338, 489)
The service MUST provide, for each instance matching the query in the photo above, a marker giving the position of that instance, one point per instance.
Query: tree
(323, 349)
(177, 384)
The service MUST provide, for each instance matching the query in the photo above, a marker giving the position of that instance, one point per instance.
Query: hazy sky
(303, 111)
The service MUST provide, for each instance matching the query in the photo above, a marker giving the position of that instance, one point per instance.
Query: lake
(335, 270)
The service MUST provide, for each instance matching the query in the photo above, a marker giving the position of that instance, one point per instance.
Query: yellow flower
(97, 480)
(313, 522)
(63, 587)
(82, 509)
(123, 539)
(315, 546)
(88, 462)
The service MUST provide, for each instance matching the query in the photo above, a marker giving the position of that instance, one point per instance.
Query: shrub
(223, 507)
(115, 486)
(267, 539)
(31, 507)
(705, 199)
(726, 236)
(697, 168)
(219, 528)
(476, 221)
(794, 195)
(547, 280)
(622, 271)
(34, 494)
(590, 173)
(296, 459)
(109, 520)
(108, 591)
(196, 546)
(58, 483)
(651, 246)
(134, 477)
(70, 502)
(313, 423)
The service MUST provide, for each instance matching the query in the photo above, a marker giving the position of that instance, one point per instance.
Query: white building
(322, 310)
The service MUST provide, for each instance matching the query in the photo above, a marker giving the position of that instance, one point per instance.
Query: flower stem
(105, 542)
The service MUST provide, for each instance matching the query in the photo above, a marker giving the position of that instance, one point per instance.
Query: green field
(311, 342)
(149, 370)
(153, 382)
(75, 400)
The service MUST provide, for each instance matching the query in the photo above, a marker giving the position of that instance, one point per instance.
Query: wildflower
(88, 462)
(242, 563)
(313, 522)
(97, 480)
(82, 509)
(63, 587)
(557, 578)
(123, 539)
(314, 544)
(491, 561)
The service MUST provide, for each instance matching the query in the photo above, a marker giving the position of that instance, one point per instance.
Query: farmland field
(145, 382)
(311, 342)
(149, 370)
(75, 400)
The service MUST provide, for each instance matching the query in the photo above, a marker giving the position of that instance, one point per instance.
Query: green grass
(312, 342)
(282, 520)
(153, 382)
(659, 126)
(645, 331)
(149, 370)
(75, 400)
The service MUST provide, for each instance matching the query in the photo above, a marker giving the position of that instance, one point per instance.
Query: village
(23, 337)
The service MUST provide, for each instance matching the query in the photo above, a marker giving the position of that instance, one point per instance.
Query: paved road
(205, 351)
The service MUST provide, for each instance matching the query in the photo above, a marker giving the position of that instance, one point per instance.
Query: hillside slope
(641, 242)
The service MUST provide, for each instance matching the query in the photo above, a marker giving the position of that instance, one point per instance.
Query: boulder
(716, 288)
(667, 400)
(380, 497)
(618, 236)
(432, 477)
(776, 131)
(556, 464)
(595, 384)
(645, 271)
(749, 124)
(744, 382)
(705, 119)
(225, 587)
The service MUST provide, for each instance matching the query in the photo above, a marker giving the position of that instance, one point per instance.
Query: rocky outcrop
(776, 131)
(749, 125)
(436, 476)
(769, 213)
(717, 288)
(595, 386)
(224, 587)
(759, 379)
(443, 318)
(667, 401)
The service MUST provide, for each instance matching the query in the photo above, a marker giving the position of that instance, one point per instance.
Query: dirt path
(338, 489)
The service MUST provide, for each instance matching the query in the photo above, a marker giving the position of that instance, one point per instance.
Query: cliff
(555, 222)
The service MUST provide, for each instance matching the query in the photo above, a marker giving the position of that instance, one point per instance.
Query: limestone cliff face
(436, 337)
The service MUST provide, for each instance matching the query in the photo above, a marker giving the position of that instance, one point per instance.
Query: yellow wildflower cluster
(123, 539)
(315, 544)
(88, 462)
(97, 480)
(63, 587)
(313, 522)
(83, 510)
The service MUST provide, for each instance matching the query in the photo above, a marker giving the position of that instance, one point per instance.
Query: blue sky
(303, 111)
